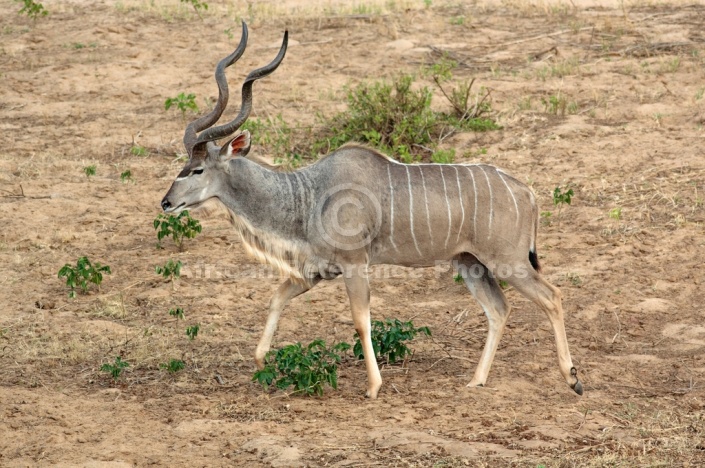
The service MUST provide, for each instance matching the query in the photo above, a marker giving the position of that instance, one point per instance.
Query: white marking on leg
(391, 210)
(411, 211)
(489, 187)
(462, 208)
(445, 193)
(428, 214)
(516, 205)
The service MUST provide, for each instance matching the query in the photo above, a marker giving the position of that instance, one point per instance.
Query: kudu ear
(238, 146)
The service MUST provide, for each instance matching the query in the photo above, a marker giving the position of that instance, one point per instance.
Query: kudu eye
(197, 171)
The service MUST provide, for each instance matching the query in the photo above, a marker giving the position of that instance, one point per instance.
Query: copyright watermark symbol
(348, 216)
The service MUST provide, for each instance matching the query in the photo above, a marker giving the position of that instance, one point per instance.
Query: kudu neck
(276, 202)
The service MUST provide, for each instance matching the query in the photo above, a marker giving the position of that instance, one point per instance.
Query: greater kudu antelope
(357, 207)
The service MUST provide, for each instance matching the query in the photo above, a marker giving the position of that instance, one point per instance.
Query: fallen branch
(542, 36)
(22, 195)
(646, 50)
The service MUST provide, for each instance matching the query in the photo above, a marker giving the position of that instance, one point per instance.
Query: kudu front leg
(358, 288)
(287, 291)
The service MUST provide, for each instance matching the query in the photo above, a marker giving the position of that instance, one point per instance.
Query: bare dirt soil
(607, 98)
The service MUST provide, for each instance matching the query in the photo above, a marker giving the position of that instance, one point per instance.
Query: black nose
(165, 204)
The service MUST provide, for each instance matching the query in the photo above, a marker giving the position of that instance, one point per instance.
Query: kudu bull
(357, 207)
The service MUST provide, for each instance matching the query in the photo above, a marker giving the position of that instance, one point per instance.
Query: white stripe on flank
(391, 210)
(516, 206)
(445, 193)
(474, 214)
(489, 187)
(428, 214)
(411, 211)
(460, 197)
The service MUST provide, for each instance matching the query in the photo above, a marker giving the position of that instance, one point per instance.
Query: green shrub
(307, 368)
(197, 6)
(126, 176)
(183, 102)
(179, 227)
(89, 170)
(116, 368)
(173, 366)
(277, 138)
(397, 118)
(388, 339)
(32, 9)
(470, 109)
(192, 331)
(171, 270)
(84, 273)
(443, 156)
(391, 116)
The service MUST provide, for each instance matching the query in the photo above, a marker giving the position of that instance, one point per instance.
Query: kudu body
(355, 208)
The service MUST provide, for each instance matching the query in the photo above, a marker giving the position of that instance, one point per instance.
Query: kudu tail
(534, 259)
(533, 256)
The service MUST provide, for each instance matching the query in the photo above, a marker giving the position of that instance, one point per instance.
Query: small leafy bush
(192, 331)
(391, 116)
(183, 102)
(83, 274)
(197, 6)
(277, 137)
(558, 104)
(126, 177)
(178, 313)
(561, 198)
(397, 118)
(615, 213)
(137, 150)
(469, 109)
(388, 339)
(32, 9)
(89, 170)
(307, 368)
(443, 156)
(116, 368)
(173, 366)
(171, 270)
(179, 227)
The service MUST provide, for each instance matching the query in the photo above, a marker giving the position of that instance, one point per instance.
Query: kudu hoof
(578, 387)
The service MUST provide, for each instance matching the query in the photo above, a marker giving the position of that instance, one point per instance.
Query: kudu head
(206, 172)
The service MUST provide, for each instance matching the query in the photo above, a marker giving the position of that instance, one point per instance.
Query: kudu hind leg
(493, 302)
(287, 291)
(358, 289)
(548, 297)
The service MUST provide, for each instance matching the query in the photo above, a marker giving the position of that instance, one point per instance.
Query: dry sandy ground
(80, 86)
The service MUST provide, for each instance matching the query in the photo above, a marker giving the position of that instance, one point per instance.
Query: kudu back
(355, 208)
